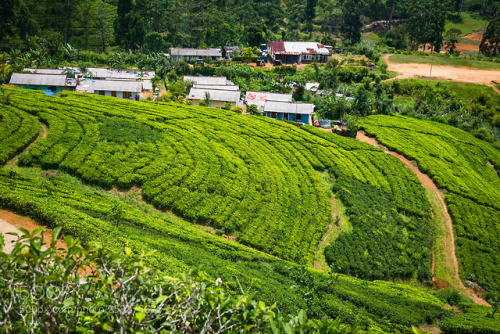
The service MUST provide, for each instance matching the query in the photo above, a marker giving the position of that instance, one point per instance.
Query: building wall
(118, 94)
(58, 88)
(215, 104)
(304, 118)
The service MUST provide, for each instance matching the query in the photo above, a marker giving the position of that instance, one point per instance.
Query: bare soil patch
(467, 47)
(460, 74)
(475, 36)
(427, 183)
(11, 222)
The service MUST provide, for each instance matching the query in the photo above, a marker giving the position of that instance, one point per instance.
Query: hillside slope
(467, 169)
(253, 178)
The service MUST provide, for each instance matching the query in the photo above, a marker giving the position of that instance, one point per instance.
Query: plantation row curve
(251, 177)
(448, 240)
(466, 168)
(95, 214)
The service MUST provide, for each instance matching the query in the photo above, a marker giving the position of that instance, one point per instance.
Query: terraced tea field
(253, 179)
(466, 168)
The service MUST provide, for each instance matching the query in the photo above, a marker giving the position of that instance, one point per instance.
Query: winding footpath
(11, 222)
(448, 241)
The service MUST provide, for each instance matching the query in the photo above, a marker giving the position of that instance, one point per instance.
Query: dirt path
(10, 222)
(460, 74)
(42, 134)
(439, 209)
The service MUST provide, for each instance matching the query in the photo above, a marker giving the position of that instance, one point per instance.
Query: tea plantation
(466, 168)
(252, 180)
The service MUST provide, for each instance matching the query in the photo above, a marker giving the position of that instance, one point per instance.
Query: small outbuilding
(188, 54)
(53, 82)
(116, 88)
(208, 81)
(218, 97)
(290, 111)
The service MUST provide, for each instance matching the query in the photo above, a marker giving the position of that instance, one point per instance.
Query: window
(274, 115)
(101, 92)
(113, 94)
(285, 117)
(127, 95)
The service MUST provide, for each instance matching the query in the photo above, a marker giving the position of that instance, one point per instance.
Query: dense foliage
(467, 169)
(467, 106)
(252, 177)
(474, 319)
(246, 148)
(156, 25)
(383, 232)
(17, 130)
(65, 290)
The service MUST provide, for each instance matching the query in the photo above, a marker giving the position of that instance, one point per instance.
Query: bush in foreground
(65, 290)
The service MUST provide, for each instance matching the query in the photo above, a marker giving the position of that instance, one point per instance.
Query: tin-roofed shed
(53, 82)
(116, 88)
(290, 111)
(218, 97)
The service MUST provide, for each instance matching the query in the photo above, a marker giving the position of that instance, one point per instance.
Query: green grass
(470, 23)
(339, 224)
(441, 60)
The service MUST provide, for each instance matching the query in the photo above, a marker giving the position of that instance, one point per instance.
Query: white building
(259, 98)
(116, 88)
(290, 111)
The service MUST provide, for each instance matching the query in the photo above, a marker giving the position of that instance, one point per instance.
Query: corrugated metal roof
(195, 52)
(217, 81)
(38, 79)
(298, 48)
(289, 107)
(44, 70)
(215, 95)
(259, 98)
(106, 73)
(218, 87)
(110, 86)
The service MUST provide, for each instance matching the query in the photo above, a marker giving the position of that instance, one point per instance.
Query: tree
(426, 20)
(130, 25)
(351, 25)
(103, 22)
(490, 44)
(451, 39)
(154, 42)
(310, 13)
(208, 101)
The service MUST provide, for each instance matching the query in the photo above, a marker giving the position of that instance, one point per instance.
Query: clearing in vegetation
(461, 165)
(410, 67)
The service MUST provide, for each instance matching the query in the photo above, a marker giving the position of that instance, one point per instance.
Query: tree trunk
(460, 8)
(391, 13)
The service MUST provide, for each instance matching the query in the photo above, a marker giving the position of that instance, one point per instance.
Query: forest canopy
(156, 25)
